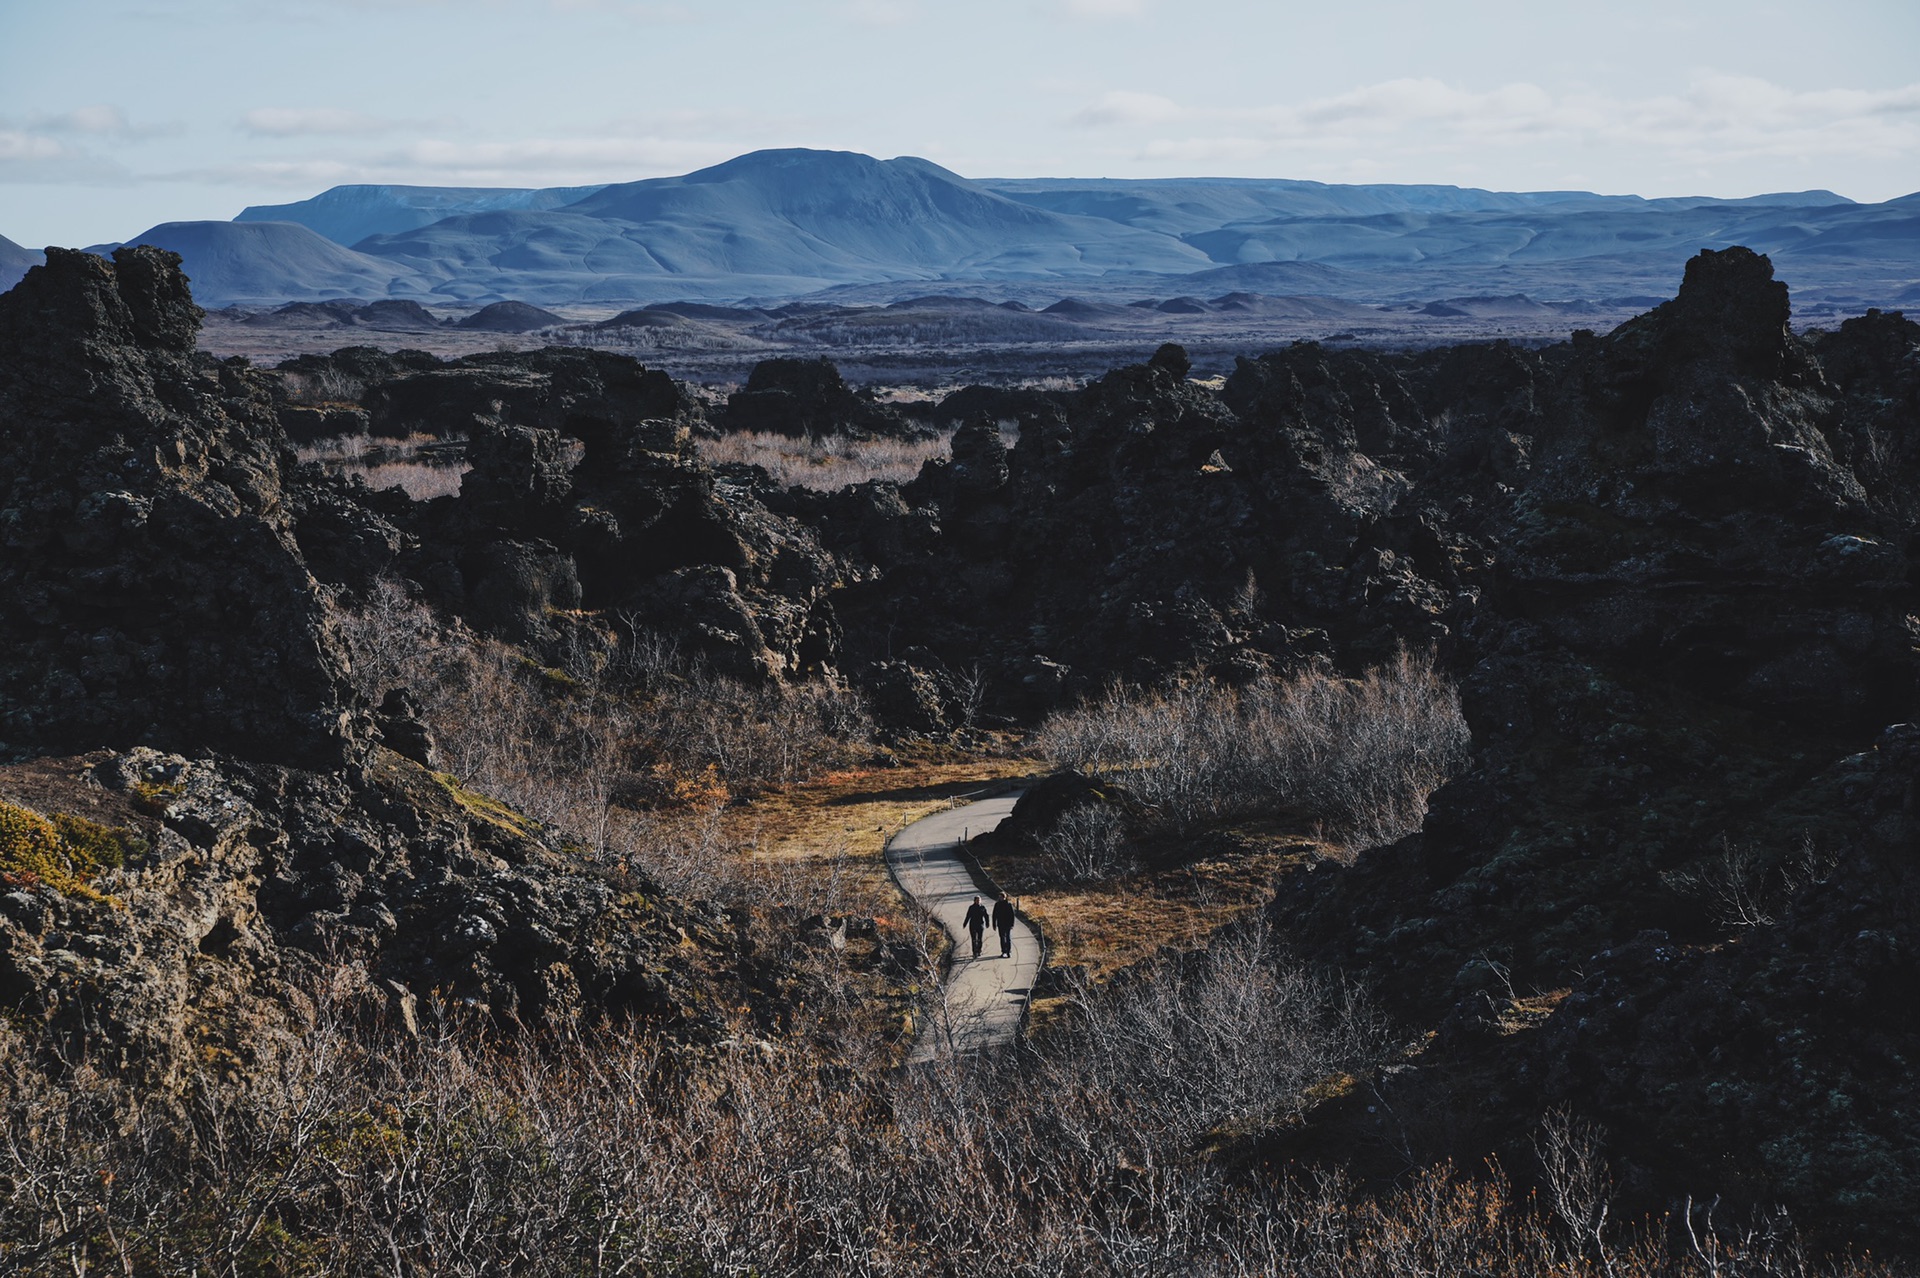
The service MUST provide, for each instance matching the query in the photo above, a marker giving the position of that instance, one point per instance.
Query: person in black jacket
(1003, 917)
(977, 924)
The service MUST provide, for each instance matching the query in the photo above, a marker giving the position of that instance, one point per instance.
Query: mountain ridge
(774, 225)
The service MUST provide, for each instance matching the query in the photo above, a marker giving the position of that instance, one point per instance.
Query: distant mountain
(257, 263)
(348, 214)
(510, 317)
(16, 262)
(775, 222)
(772, 226)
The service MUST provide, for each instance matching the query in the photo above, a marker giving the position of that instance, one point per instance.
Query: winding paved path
(981, 1001)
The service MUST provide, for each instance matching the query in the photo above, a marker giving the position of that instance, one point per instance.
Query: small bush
(621, 723)
(1086, 845)
(407, 464)
(1360, 756)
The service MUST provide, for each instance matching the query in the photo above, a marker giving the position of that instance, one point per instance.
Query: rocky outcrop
(151, 587)
(583, 491)
(159, 607)
(808, 397)
(260, 884)
(1149, 525)
(1696, 618)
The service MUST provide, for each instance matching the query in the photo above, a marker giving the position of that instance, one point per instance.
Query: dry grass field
(825, 464)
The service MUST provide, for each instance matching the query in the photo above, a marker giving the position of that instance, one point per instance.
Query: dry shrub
(327, 385)
(1231, 1039)
(465, 1152)
(1360, 756)
(828, 463)
(1087, 845)
(622, 722)
(422, 481)
(406, 464)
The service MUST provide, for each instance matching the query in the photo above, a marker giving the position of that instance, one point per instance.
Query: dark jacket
(976, 918)
(1003, 916)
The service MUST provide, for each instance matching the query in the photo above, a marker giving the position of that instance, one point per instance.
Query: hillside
(774, 225)
(264, 262)
(380, 858)
(14, 262)
(348, 214)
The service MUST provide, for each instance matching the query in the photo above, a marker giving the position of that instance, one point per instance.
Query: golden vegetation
(67, 853)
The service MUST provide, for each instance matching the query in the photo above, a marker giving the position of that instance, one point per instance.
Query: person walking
(977, 924)
(1003, 917)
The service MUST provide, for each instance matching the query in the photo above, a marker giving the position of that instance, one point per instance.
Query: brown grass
(389, 463)
(839, 825)
(826, 464)
(1168, 904)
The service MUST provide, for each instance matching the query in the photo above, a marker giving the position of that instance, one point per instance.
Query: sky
(116, 115)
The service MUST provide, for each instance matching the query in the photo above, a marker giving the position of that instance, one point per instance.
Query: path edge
(992, 790)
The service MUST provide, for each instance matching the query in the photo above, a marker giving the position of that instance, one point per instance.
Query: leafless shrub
(1741, 889)
(387, 463)
(1734, 886)
(422, 481)
(1085, 845)
(624, 722)
(1359, 755)
(1230, 1040)
(1579, 1189)
(829, 463)
(324, 386)
(461, 1151)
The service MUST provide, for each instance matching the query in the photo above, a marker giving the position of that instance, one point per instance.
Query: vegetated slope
(348, 214)
(1670, 566)
(253, 263)
(158, 600)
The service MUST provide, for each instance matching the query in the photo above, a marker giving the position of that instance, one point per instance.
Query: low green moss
(487, 809)
(154, 796)
(67, 853)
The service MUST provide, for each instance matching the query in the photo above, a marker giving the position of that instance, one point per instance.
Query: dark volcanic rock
(509, 317)
(807, 397)
(151, 586)
(261, 881)
(543, 390)
(1696, 606)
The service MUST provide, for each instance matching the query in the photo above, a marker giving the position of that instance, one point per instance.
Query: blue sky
(117, 114)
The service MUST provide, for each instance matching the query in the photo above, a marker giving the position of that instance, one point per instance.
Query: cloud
(566, 160)
(577, 161)
(100, 119)
(1714, 120)
(103, 121)
(877, 13)
(1121, 107)
(1103, 8)
(288, 122)
(30, 156)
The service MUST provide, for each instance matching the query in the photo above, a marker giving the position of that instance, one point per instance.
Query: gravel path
(982, 1001)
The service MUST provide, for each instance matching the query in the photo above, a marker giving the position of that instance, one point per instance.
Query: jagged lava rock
(151, 586)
